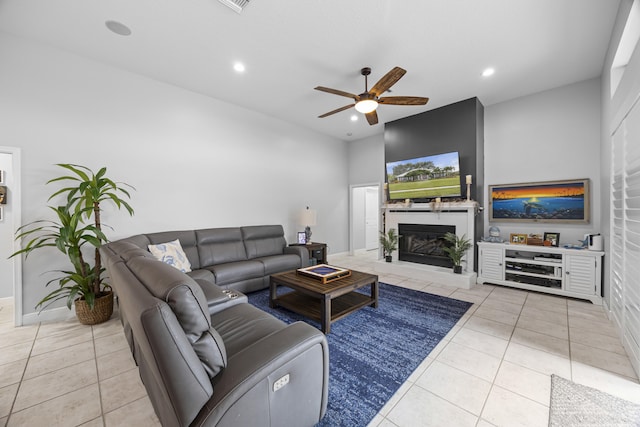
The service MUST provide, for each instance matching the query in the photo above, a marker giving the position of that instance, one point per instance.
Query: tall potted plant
(389, 242)
(78, 225)
(458, 249)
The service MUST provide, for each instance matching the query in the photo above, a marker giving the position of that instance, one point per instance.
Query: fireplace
(424, 244)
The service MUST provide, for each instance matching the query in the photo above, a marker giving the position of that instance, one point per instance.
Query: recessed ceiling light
(118, 28)
(239, 67)
(488, 72)
(354, 118)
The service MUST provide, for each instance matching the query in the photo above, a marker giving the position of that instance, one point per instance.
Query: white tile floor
(493, 368)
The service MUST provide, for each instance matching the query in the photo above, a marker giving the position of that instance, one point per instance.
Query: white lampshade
(308, 217)
(366, 106)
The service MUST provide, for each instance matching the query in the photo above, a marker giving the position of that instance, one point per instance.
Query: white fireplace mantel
(459, 214)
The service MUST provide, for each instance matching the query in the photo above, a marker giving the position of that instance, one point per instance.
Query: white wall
(195, 161)
(551, 135)
(366, 160)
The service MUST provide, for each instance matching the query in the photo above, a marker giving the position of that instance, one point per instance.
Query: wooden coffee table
(324, 303)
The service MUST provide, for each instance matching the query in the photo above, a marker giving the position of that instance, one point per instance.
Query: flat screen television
(425, 177)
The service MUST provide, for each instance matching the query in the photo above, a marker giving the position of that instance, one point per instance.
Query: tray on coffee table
(324, 273)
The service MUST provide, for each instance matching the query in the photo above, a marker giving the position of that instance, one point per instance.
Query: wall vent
(236, 5)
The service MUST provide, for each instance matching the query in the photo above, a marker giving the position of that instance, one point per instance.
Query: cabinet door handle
(500, 264)
(566, 272)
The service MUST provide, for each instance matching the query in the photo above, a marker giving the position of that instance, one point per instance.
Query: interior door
(372, 215)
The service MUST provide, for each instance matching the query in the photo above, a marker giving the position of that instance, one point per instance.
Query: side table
(317, 252)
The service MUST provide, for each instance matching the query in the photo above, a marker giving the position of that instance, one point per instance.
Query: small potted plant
(457, 250)
(389, 242)
(77, 232)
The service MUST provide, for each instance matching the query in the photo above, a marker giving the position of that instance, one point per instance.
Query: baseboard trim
(51, 315)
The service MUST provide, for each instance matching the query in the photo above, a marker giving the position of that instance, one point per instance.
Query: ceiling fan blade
(336, 92)
(387, 81)
(372, 117)
(403, 100)
(346, 107)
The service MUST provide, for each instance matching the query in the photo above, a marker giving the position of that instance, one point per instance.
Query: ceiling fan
(368, 101)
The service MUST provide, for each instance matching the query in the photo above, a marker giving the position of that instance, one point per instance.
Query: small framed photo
(3, 195)
(518, 239)
(1, 177)
(1, 213)
(551, 239)
(302, 238)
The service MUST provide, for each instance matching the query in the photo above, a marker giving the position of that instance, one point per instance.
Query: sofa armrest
(219, 299)
(301, 251)
(244, 390)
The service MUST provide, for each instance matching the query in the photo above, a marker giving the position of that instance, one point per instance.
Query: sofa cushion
(188, 302)
(202, 274)
(236, 271)
(242, 325)
(263, 240)
(278, 263)
(220, 245)
(171, 253)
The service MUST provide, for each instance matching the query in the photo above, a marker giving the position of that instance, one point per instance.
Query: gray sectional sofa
(237, 258)
(208, 359)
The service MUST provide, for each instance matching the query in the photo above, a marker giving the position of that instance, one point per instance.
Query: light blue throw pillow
(171, 253)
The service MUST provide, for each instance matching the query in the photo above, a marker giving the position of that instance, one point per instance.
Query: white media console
(568, 272)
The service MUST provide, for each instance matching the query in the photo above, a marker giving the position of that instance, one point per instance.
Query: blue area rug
(373, 351)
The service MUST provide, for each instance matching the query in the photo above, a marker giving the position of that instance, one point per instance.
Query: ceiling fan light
(366, 106)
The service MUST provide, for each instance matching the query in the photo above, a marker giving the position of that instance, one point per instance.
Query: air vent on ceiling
(236, 5)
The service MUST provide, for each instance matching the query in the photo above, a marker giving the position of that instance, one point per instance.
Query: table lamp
(308, 218)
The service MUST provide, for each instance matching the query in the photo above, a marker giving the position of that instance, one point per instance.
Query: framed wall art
(550, 201)
(2, 177)
(3, 195)
(1, 213)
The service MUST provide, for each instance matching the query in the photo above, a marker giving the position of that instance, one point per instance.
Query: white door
(10, 270)
(6, 226)
(491, 264)
(372, 215)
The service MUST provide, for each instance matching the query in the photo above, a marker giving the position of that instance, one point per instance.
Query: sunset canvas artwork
(554, 201)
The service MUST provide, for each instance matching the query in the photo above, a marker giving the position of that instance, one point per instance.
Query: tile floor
(492, 369)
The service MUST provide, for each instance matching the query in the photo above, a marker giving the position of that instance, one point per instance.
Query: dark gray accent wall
(455, 127)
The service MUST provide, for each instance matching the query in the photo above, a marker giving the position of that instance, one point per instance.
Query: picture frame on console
(564, 201)
(518, 239)
(551, 239)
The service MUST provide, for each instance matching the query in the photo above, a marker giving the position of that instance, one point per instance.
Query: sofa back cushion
(125, 250)
(263, 240)
(220, 245)
(187, 301)
(187, 241)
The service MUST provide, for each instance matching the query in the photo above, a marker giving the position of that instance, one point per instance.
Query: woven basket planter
(102, 309)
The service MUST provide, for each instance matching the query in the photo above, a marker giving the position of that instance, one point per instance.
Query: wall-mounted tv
(424, 177)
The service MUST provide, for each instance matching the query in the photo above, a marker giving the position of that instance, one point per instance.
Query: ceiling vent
(236, 5)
